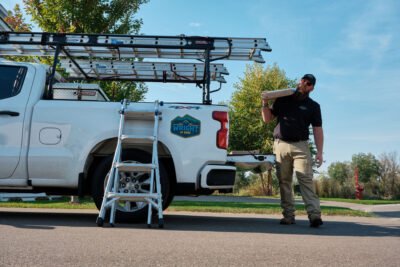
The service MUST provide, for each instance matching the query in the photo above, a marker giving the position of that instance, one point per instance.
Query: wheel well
(107, 148)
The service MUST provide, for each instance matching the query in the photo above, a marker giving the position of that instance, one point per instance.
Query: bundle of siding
(271, 95)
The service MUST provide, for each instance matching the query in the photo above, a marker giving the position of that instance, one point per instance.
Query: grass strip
(63, 203)
(356, 201)
(192, 206)
(364, 201)
(258, 208)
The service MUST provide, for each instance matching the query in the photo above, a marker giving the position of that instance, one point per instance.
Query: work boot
(316, 221)
(287, 220)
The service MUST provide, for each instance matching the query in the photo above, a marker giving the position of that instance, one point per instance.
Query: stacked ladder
(123, 50)
(112, 196)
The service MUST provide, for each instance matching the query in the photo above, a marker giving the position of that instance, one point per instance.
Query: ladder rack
(114, 46)
(142, 71)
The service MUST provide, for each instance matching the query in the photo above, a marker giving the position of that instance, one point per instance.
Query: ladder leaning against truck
(68, 138)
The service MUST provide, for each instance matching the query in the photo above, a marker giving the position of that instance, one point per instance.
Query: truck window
(11, 80)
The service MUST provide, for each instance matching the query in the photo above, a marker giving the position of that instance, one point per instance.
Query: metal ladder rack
(142, 71)
(116, 46)
(112, 194)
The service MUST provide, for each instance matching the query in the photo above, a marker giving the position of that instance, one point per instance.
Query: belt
(290, 141)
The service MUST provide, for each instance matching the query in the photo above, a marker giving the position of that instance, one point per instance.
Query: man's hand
(319, 159)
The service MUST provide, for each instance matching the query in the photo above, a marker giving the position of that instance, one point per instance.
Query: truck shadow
(272, 226)
(185, 222)
(388, 214)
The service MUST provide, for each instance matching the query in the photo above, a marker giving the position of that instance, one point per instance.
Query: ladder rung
(139, 167)
(134, 139)
(132, 114)
(131, 196)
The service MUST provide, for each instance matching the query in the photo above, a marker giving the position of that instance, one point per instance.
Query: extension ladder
(112, 194)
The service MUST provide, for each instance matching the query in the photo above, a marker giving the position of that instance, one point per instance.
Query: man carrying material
(295, 113)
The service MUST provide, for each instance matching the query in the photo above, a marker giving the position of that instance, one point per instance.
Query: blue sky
(352, 47)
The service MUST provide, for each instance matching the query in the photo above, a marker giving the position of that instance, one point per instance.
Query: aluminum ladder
(112, 196)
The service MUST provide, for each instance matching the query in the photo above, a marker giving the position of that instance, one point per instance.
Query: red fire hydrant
(359, 188)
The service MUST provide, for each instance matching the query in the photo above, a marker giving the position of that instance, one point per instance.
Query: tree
(17, 21)
(390, 174)
(86, 16)
(340, 171)
(91, 16)
(247, 131)
(368, 167)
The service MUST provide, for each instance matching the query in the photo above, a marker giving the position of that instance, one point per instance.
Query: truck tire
(131, 211)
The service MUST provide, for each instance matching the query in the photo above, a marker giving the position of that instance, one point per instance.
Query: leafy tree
(247, 131)
(340, 171)
(89, 16)
(368, 167)
(17, 21)
(86, 16)
(390, 174)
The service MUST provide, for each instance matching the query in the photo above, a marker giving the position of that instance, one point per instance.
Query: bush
(252, 185)
(347, 191)
(254, 189)
(317, 187)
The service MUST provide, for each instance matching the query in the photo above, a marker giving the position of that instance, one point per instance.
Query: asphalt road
(36, 237)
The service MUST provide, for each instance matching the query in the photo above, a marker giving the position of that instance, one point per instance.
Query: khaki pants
(297, 156)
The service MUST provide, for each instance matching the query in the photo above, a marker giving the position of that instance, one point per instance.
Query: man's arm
(319, 142)
(266, 112)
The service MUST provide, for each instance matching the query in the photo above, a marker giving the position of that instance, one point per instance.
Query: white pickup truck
(61, 145)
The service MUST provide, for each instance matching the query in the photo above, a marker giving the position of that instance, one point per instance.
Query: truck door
(13, 101)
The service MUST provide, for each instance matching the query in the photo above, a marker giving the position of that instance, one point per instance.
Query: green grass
(356, 201)
(258, 208)
(364, 201)
(63, 203)
(193, 206)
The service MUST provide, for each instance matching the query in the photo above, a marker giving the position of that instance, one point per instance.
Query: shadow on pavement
(387, 214)
(272, 226)
(184, 222)
(46, 220)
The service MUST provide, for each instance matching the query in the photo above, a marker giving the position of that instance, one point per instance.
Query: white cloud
(194, 24)
(373, 32)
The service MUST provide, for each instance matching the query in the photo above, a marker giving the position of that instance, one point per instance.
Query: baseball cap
(310, 78)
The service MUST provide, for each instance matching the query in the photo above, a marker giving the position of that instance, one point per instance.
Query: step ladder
(112, 194)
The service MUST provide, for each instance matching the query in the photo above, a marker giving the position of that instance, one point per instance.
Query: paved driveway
(36, 237)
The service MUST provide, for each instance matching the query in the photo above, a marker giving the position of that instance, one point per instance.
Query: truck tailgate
(252, 162)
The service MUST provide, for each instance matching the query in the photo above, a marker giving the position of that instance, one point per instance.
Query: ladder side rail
(117, 157)
(113, 171)
(185, 42)
(117, 154)
(150, 209)
(152, 175)
(156, 163)
(78, 78)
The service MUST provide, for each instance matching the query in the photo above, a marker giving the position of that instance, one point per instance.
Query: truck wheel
(132, 182)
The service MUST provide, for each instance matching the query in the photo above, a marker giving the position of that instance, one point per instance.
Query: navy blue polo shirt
(294, 118)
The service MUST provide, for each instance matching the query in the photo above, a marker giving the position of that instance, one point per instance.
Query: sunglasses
(309, 84)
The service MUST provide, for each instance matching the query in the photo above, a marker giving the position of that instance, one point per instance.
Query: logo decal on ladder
(185, 126)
